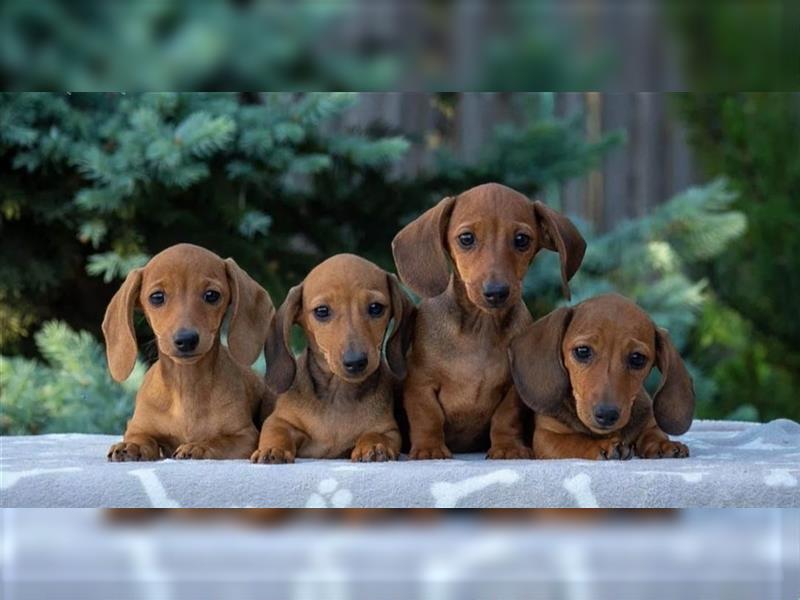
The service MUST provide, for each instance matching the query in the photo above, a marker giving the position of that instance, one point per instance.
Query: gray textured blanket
(732, 464)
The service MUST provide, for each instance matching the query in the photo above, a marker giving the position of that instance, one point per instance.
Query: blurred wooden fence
(652, 165)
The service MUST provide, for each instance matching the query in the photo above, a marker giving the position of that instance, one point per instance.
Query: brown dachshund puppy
(337, 398)
(581, 370)
(458, 395)
(200, 399)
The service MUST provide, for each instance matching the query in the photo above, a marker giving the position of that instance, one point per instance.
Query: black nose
(186, 340)
(495, 293)
(354, 362)
(606, 415)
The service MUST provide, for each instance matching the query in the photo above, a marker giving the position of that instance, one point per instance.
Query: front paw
(662, 449)
(195, 451)
(500, 452)
(430, 452)
(130, 452)
(372, 453)
(272, 456)
(613, 449)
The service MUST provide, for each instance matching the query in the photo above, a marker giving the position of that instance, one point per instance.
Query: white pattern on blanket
(732, 464)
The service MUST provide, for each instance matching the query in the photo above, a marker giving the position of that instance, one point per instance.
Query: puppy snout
(606, 415)
(355, 362)
(186, 340)
(496, 293)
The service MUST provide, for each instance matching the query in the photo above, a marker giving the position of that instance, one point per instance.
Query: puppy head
(601, 351)
(184, 292)
(344, 305)
(490, 233)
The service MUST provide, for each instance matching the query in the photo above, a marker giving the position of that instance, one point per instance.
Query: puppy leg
(426, 423)
(238, 445)
(377, 447)
(507, 429)
(278, 443)
(654, 443)
(134, 447)
(551, 439)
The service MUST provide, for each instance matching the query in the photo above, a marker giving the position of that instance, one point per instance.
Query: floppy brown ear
(420, 250)
(559, 234)
(118, 327)
(403, 313)
(251, 313)
(673, 402)
(537, 368)
(281, 365)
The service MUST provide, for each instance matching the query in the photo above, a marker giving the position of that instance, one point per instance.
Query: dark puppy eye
(375, 309)
(211, 296)
(582, 353)
(322, 312)
(466, 239)
(522, 241)
(637, 360)
(157, 298)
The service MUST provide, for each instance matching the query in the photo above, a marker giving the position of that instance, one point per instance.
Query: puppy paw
(509, 452)
(662, 449)
(272, 456)
(372, 453)
(130, 452)
(613, 449)
(196, 451)
(429, 452)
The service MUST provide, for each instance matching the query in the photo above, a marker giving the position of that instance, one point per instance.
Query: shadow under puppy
(199, 399)
(582, 371)
(458, 395)
(337, 399)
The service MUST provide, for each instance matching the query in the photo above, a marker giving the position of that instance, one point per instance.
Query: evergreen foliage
(751, 338)
(71, 391)
(102, 181)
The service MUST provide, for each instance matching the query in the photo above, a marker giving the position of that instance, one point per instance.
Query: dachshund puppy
(337, 398)
(582, 371)
(458, 395)
(200, 399)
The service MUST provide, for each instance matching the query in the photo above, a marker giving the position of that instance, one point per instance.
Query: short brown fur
(202, 405)
(565, 391)
(322, 410)
(458, 395)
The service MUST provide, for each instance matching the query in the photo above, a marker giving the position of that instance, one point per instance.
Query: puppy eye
(157, 298)
(522, 241)
(211, 296)
(322, 312)
(466, 239)
(582, 353)
(637, 360)
(375, 309)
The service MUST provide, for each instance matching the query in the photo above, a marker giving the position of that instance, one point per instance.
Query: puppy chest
(475, 384)
(334, 431)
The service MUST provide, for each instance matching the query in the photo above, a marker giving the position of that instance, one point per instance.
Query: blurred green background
(94, 184)
(688, 200)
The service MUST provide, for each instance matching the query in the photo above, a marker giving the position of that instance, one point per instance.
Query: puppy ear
(280, 359)
(420, 250)
(251, 313)
(118, 327)
(537, 368)
(559, 234)
(673, 402)
(403, 313)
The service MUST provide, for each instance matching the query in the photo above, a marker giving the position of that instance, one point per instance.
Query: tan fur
(323, 411)
(565, 391)
(458, 394)
(206, 405)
